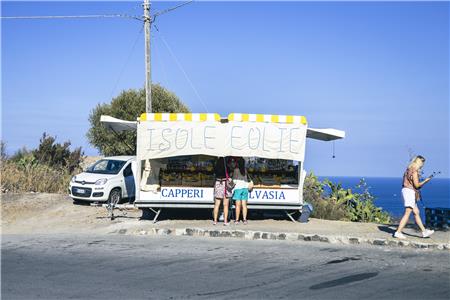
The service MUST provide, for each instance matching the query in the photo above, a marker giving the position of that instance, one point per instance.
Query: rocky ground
(49, 213)
(37, 213)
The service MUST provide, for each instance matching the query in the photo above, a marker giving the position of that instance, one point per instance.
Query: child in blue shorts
(240, 192)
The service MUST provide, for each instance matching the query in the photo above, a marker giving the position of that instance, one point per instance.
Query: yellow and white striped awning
(236, 117)
(289, 119)
(200, 117)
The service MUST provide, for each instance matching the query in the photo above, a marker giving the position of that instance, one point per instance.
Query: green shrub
(363, 209)
(57, 155)
(324, 207)
(337, 203)
(19, 154)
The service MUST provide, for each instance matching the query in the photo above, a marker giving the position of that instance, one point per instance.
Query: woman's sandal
(236, 222)
(245, 222)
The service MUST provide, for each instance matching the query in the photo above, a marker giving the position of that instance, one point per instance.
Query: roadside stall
(176, 154)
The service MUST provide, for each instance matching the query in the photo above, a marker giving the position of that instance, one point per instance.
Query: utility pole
(148, 71)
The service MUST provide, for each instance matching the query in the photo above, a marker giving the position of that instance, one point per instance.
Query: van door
(130, 187)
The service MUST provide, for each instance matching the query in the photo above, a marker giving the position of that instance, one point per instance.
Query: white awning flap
(325, 134)
(118, 125)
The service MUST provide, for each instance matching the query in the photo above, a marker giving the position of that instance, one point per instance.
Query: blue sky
(378, 70)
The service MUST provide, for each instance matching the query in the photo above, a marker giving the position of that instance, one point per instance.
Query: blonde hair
(417, 162)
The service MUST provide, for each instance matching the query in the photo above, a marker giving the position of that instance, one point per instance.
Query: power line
(74, 17)
(182, 69)
(158, 13)
(158, 58)
(126, 61)
(135, 7)
(99, 15)
(147, 20)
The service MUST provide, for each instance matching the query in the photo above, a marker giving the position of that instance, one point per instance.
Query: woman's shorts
(240, 195)
(409, 197)
(219, 189)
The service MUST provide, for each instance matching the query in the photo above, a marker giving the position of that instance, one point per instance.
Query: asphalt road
(149, 267)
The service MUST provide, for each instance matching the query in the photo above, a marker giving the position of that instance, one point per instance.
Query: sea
(387, 192)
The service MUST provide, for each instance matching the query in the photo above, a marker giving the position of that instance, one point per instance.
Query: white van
(108, 178)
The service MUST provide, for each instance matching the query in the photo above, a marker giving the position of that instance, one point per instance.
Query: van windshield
(106, 166)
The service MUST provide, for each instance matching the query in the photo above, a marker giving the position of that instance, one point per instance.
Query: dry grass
(17, 178)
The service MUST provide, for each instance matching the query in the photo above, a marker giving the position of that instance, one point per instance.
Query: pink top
(408, 179)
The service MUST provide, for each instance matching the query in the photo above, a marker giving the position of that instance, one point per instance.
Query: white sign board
(180, 194)
(206, 195)
(248, 139)
(273, 196)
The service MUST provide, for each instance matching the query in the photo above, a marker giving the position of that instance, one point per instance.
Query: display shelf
(276, 187)
(180, 171)
(273, 172)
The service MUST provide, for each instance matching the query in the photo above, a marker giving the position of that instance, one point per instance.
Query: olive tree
(129, 105)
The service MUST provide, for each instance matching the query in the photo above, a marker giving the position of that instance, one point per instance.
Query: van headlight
(73, 178)
(101, 181)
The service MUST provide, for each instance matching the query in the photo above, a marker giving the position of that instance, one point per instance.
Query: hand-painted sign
(269, 140)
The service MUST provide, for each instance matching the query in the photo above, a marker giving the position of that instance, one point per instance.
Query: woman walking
(222, 190)
(410, 195)
(240, 193)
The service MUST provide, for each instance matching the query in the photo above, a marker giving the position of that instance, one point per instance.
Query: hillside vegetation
(47, 169)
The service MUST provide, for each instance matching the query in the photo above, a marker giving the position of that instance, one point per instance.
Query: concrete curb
(285, 236)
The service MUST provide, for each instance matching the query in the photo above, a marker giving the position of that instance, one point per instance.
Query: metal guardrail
(437, 217)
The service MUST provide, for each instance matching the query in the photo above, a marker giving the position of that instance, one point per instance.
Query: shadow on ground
(413, 232)
(206, 214)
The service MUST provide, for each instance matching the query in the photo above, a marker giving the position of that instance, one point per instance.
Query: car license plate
(80, 191)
